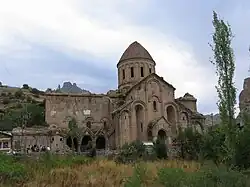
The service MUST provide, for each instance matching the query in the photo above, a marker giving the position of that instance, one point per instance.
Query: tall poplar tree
(223, 60)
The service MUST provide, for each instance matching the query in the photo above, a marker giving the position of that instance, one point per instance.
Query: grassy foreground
(55, 171)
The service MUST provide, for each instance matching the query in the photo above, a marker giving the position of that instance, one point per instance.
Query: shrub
(26, 86)
(19, 105)
(3, 94)
(6, 101)
(35, 91)
(172, 177)
(19, 94)
(29, 99)
(160, 149)
(191, 143)
(130, 153)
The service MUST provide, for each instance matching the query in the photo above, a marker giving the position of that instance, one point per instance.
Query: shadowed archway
(100, 142)
(75, 144)
(85, 141)
(162, 135)
(69, 142)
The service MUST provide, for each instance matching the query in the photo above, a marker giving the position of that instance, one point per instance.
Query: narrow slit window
(132, 71)
(88, 124)
(123, 74)
(141, 127)
(142, 73)
(154, 106)
(150, 70)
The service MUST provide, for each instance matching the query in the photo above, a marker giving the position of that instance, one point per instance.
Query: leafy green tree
(161, 149)
(130, 153)
(225, 67)
(190, 141)
(30, 115)
(213, 147)
(74, 131)
(35, 115)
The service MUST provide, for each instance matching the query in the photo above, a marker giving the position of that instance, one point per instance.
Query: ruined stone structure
(244, 97)
(38, 137)
(5, 141)
(143, 107)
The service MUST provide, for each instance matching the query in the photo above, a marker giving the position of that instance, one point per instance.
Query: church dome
(135, 51)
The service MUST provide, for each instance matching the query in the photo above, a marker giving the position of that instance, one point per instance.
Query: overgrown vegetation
(52, 170)
(20, 108)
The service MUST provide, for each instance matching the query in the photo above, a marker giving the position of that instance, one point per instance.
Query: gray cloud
(82, 42)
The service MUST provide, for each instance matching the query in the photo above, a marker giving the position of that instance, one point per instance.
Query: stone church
(142, 108)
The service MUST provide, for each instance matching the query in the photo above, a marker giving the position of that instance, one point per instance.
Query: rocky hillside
(19, 103)
(68, 87)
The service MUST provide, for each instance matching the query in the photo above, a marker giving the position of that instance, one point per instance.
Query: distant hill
(68, 87)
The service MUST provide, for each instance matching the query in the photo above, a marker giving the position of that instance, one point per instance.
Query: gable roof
(194, 114)
(155, 121)
(146, 78)
(122, 107)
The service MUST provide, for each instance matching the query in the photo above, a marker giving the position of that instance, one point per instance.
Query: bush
(171, 177)
(19, 94)
(19, 105)
(191, 144)
(35, 91)
(26, 86)
(161, 149)
(3, 94)
(6, 101)
(130, 153)
(29, 99)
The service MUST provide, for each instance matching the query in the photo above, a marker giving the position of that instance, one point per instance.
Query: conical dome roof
(135, 50)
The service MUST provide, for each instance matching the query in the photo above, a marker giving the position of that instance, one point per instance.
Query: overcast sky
(46, 42)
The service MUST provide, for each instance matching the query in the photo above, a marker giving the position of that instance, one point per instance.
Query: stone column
(79, 145)
(133, 126)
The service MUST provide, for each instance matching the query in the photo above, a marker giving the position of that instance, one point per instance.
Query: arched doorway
(85, 141)
(139, 113)
(69, 142)
(75, 144)
(162, 135)
(100, 142)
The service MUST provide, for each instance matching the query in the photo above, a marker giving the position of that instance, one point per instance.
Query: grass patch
(53, 170)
